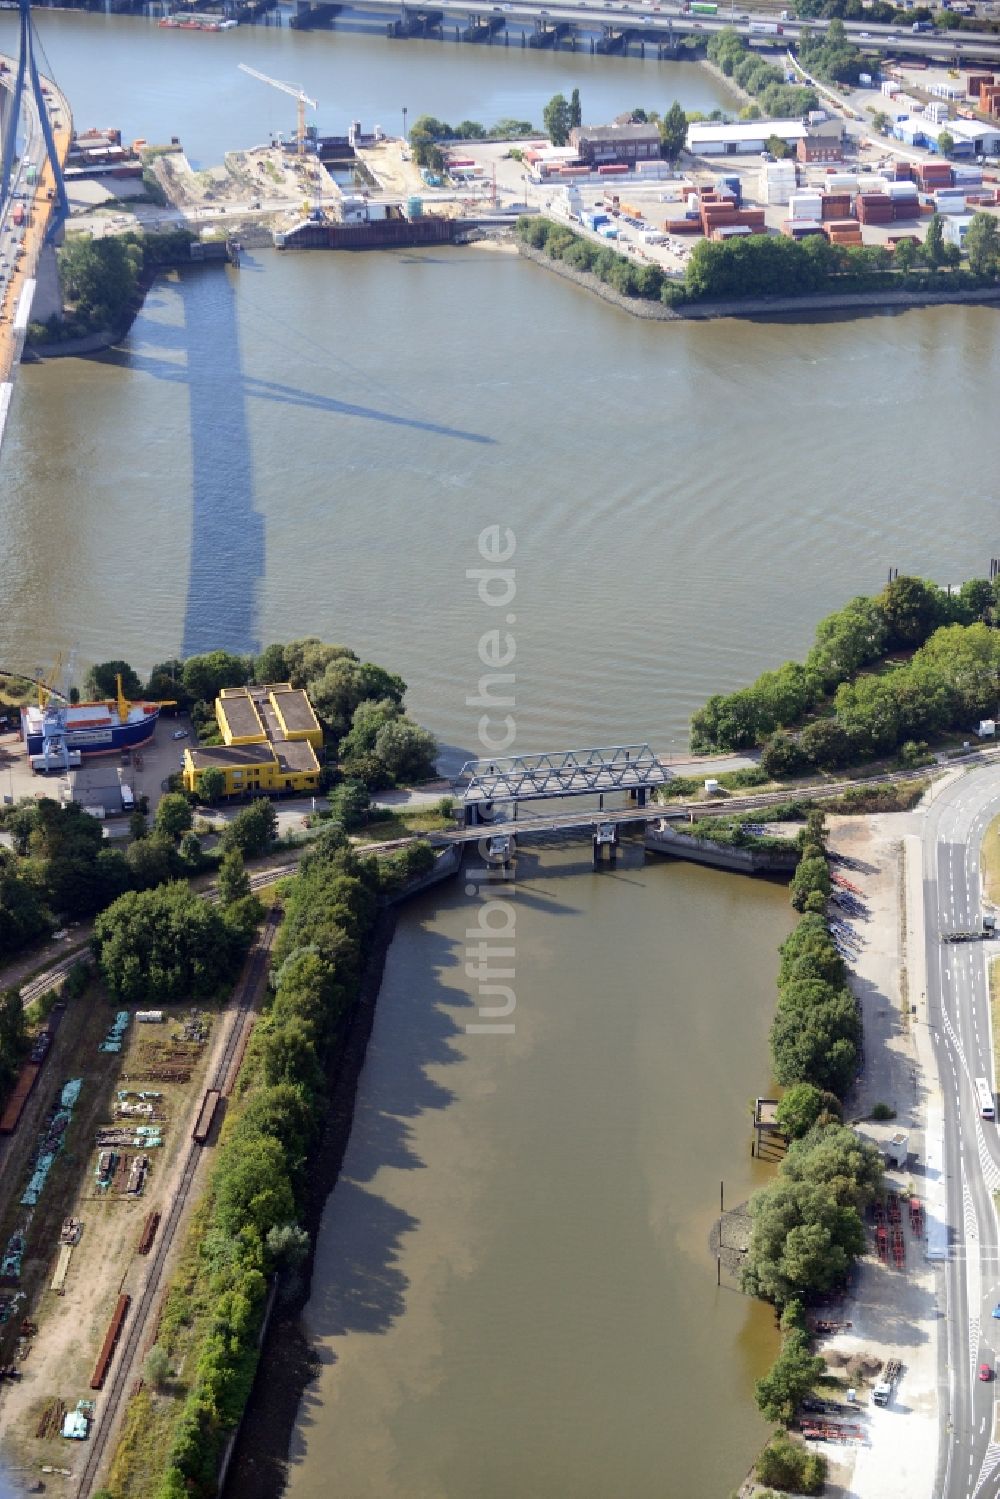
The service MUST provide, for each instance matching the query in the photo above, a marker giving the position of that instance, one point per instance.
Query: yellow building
(271, 736)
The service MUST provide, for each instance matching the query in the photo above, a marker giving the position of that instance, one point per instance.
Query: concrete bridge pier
(6, 111)
(606, 837)
(47, 301)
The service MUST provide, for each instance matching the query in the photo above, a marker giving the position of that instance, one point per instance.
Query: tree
(933, 246)
(211, 785)
(252, 830)
(556, 119)
(982, 244)
(406, 750)
(790, 1467)
(782, 755)
(234, 882)
(575, 109)
(99, 278)
(673, 132)
(287, 1245)
(166, 682)
(946, 143)
(162, 945)
(253, 1188)
(792, 1376)
(880, 121)
(344, 683)
(205, 676)
(912, 607)
(368, 718)
(800, 1108)
(271, 665)
(156, 1367)
(349, 804)
(190, 849)
(905, 256)
(817, 1043)
(13, 1036)
(810, 875)
(173, 815)
(150, 861)
(101, 680)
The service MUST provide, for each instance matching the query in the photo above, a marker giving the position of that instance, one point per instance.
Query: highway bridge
(35, 131)
(546, 24)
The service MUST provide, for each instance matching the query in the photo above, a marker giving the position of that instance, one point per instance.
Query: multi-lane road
(667, 20)
(958, 1015)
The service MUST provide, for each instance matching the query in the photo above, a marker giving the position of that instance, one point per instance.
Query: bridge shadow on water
(358, 1285)
(228, 553)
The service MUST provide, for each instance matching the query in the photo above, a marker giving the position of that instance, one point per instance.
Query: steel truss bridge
(632, 768)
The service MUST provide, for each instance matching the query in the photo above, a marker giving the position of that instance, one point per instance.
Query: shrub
(787, 1466)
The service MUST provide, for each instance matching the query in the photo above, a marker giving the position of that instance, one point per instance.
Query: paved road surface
(959, 1017)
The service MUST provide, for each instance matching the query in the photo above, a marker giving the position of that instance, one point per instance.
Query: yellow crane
(301, 98)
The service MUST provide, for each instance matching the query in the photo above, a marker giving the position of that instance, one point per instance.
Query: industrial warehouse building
(744, 138)
(615, 145)
(271, 737)
(974, 136)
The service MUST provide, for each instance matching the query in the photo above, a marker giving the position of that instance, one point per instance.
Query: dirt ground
(392, 165)
(71, 1326)
(890, 1313)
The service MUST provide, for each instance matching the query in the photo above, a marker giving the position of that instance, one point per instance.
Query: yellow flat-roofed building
(271, 735)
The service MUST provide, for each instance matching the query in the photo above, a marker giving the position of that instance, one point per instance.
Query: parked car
(180, 733)
(985, 1373)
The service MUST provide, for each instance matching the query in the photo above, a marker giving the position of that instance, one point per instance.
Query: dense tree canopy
(163, 946)
(938, 660)
(807, 1225)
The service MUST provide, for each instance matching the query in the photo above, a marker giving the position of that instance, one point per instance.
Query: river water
(512, 1293)
(513, 1290)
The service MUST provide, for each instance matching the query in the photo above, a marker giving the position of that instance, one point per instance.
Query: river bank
(288, 1364)
(801, 309)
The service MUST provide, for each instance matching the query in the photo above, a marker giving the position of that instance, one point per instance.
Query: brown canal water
(513, 1292)
(316, 443)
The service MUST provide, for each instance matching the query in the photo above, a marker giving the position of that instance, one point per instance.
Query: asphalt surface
(959, 1018)
(667, 18)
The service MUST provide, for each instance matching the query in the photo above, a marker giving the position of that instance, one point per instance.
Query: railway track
(123, 1370)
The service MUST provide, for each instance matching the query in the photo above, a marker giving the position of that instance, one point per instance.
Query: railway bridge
(508, 781)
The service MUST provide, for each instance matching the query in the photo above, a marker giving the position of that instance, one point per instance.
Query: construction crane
(301, 99)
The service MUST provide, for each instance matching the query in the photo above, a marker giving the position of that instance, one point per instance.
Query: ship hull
(105, 739)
